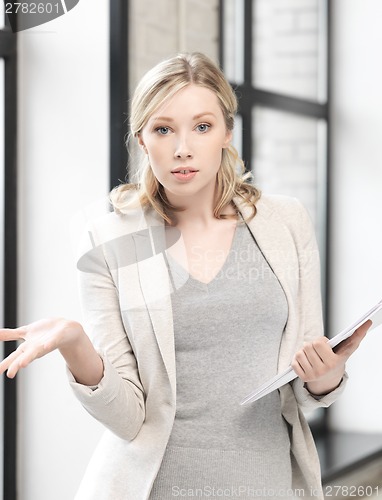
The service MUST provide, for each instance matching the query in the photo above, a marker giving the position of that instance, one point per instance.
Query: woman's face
(184, 139)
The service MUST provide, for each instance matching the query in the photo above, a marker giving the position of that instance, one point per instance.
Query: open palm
(38, 339)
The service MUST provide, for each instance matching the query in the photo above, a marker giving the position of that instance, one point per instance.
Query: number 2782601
(32, 8)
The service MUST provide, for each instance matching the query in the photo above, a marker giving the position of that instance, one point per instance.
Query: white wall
(63, 130)
(357, 204)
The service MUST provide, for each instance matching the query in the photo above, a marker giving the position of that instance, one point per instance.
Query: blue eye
(162, 130)
(203, 127)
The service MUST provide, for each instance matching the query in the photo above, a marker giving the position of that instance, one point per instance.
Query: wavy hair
(159, 84)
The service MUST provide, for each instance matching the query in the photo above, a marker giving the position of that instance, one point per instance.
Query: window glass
(290, 158)
(289, 47)
(233, 25)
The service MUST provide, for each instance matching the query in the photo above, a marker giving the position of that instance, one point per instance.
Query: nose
(182, 149)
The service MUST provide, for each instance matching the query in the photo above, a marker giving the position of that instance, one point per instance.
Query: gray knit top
(227, 339)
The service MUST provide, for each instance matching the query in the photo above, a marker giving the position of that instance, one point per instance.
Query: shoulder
(288, 208)
(285, 210)
(285, 205)
(100, 223)
(289, 212)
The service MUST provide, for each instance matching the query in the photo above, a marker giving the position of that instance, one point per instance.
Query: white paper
(375, 314)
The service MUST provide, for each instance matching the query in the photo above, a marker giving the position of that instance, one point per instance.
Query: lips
(183, 170)
(184, 174)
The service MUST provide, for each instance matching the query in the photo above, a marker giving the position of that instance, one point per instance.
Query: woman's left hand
(321, 367)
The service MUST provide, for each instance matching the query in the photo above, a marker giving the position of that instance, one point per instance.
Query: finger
(314, 353)
(25, 356)
(348, 346)
(21, 357)
(324, 353)
(6, 362)
(301, 363)
(14, 367)
(361, 331)
(298, 369)
(315, 359)
(12, 333)
(302, 367)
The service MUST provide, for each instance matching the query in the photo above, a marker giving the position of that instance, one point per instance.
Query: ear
(228, 139)
(141, 143)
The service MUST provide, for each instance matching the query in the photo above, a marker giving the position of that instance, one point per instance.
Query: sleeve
(308, 402)
(118, 400)
(310, 304)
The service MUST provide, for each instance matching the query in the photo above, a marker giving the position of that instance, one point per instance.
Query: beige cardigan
(126, 298)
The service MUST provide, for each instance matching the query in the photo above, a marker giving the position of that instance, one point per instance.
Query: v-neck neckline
(187, 277)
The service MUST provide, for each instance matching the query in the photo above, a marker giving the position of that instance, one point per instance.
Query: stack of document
(374, 314)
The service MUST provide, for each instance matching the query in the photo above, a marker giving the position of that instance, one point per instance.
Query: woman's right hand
(44, 336)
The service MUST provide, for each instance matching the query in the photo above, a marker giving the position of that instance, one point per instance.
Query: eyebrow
(196, 117)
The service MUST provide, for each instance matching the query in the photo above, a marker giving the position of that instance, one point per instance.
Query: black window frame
(8, 51)
(119, 91)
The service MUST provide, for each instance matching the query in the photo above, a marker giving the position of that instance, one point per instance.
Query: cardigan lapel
(156, 290)
(277, 245)
(274, 240)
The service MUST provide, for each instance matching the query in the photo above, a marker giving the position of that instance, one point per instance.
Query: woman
(195, 289)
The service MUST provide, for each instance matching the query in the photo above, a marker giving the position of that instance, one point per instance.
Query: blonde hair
(159, 84)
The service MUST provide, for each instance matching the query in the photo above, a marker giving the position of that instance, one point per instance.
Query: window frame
(8, 51)
(119, 91)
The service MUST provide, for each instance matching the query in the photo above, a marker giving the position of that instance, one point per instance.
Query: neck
(198, 211)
